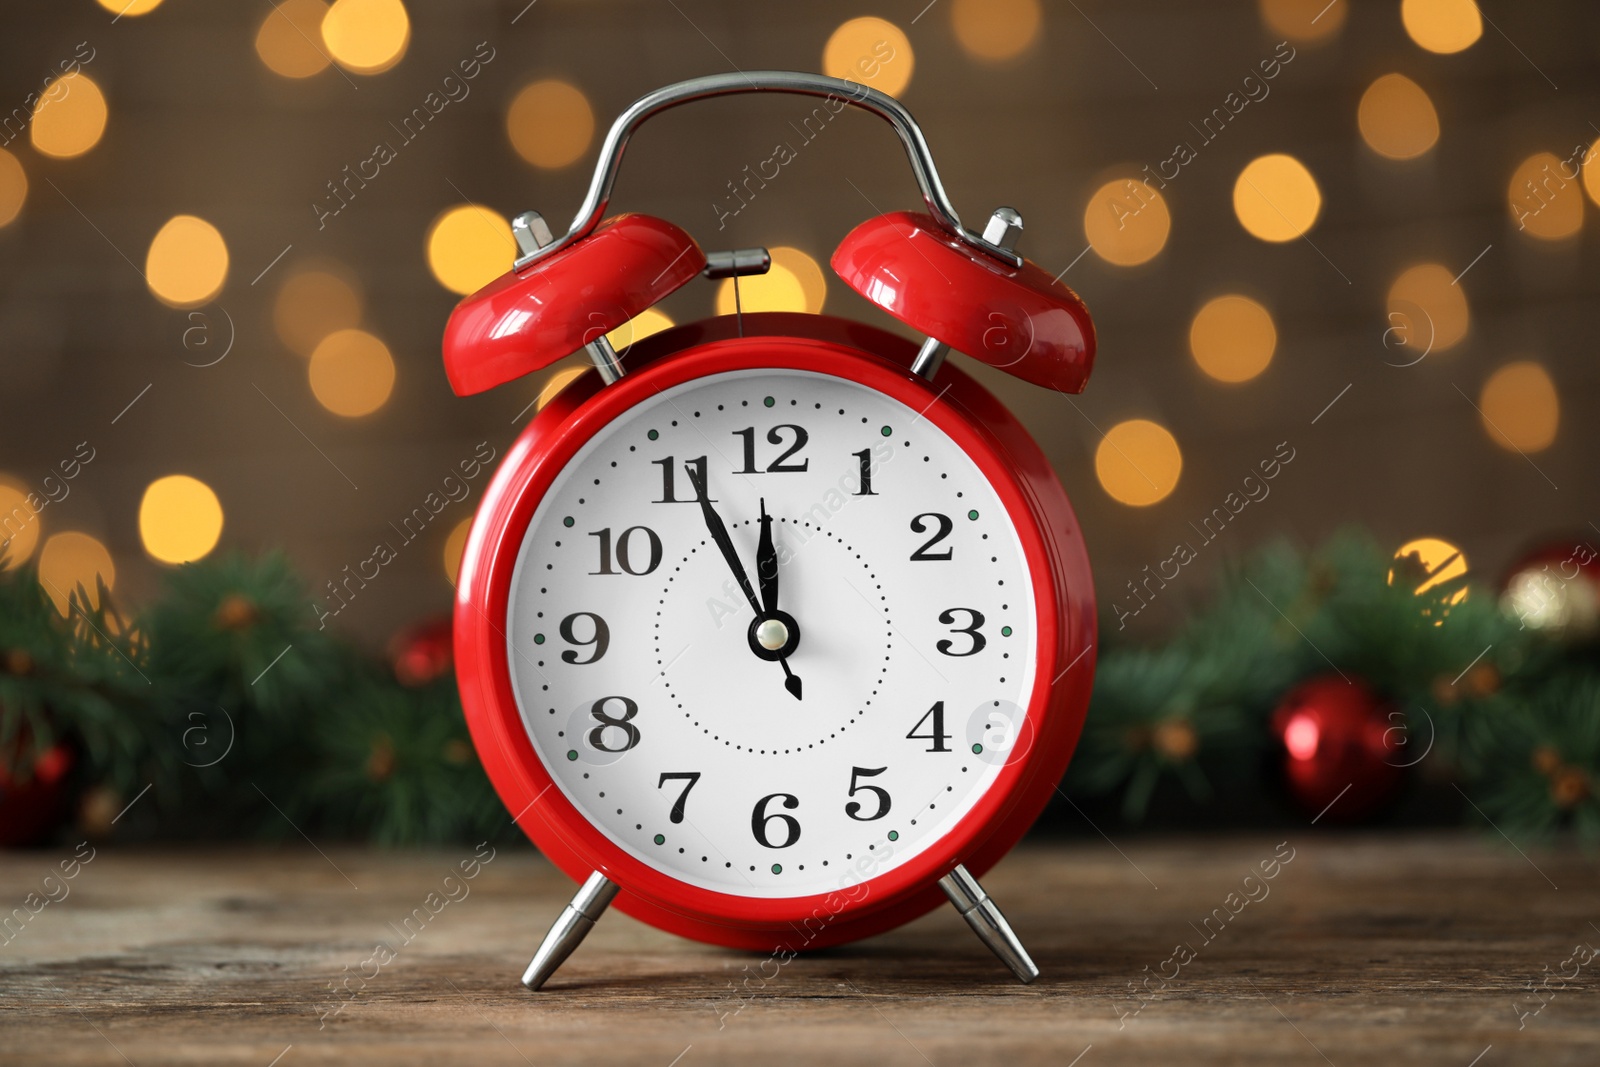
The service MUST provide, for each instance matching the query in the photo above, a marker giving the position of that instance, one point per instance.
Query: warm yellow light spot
(1431, 309)
(808, 272)
(1232, 338)
(289, 41)
(187, 262)
(13, 187)
(19, 524)
(1397, 119)
(454, 545)
(1521, 410)
(1305, 21)
(1544, 199)
(130, 7)
(71, 559)
(69, 116)
(550, 124)
(311, 305)
(352, 373)
(995, 29)
(870, 52)
(1126, 222)
(366, 36)
(1276, 198)
(180, 519)
(470, 246)
(1442, 25)
(777, 290)
(639, 327)
(558, 381)
(1591, 172)
(1138, 462)
(1429, 562)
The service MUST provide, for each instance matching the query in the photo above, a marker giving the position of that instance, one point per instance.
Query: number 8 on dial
(776, 630)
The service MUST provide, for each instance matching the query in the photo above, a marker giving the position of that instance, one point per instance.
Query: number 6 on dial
(850, 512)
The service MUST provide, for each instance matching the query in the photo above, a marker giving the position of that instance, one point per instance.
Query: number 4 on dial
(935, 732)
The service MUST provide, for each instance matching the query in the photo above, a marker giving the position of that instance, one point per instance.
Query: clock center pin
(772, 635)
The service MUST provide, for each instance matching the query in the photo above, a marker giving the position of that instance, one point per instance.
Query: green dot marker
(572, 753)
(973, 514)
(894, 835)
(538, 639)
(769, 401)
(653, 435)
(777, 868)
(887, 431)
(1005, 631)
(567, 521)
(661, 839)
(977, 750)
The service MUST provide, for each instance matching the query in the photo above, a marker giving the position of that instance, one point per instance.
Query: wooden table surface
(1362, 950)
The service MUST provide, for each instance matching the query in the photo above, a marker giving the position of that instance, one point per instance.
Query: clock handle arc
(570, 928)
(801, 83)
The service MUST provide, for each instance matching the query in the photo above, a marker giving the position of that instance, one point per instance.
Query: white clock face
(903, 612)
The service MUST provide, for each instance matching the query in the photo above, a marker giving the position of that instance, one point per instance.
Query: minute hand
(719, 534)
(767, 562)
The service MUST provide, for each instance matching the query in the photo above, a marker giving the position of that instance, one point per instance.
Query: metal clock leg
(983, 915)
(576, 920)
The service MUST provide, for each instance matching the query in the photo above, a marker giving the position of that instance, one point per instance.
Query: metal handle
(768, 81)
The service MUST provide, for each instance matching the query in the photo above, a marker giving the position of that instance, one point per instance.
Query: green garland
(245, 719)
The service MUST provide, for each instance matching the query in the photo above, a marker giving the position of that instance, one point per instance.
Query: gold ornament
(236, 612)
(1176, 740)
(1569, 787)
(100, 805)
(1546, 760)
(381, 762)
(17, 662)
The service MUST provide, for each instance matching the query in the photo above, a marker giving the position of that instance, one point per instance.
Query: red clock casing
(1052, 544)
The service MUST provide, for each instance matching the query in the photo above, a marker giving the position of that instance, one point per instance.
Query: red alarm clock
(779, 630)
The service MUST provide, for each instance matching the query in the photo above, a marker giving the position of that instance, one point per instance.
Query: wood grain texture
(1364, 949)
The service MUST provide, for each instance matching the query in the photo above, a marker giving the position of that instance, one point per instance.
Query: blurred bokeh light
(1138, 462)
(311, 304)
(1443, 26)
(1397, 119)
(187, 263)
(367, 36)
(1126, 222)
(1520, 408)
(995, 29)
(71, 559)
(180, 519)
(1232, 338)
(550, 124)
(352, 373)
(1276, 198)
(69, 117)
(289, 41)
(470, 246)
(13, 187)
(871, 51)
(1432, 289)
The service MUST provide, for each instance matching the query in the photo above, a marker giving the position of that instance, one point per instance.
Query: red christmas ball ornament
(33, 802)
(1556, 588)
(423, 652)
(1345, 748)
